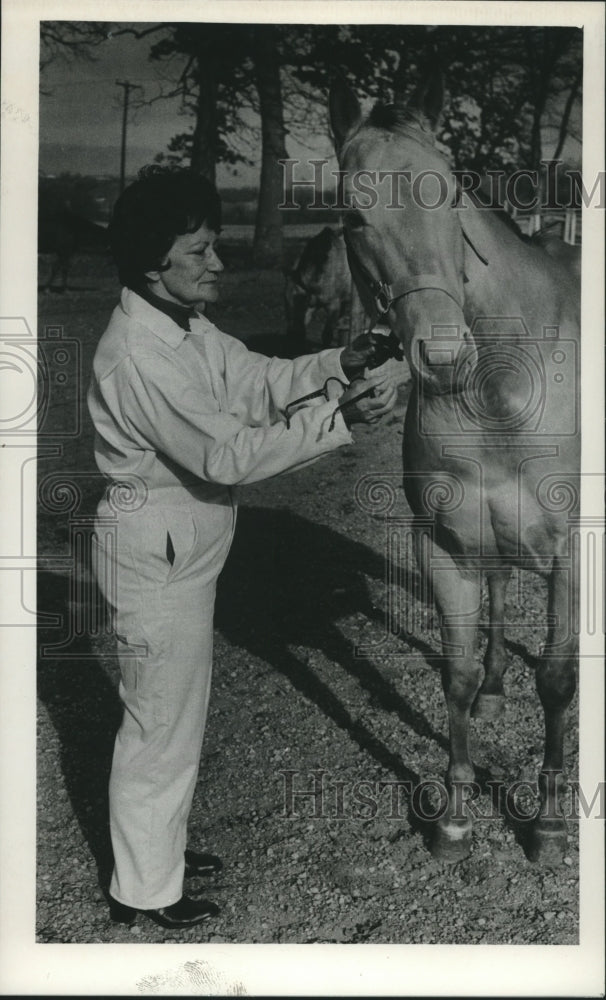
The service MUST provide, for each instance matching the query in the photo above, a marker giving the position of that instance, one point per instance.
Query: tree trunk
(563, 132)
(267, 247)
(550, 49)
(205, 139)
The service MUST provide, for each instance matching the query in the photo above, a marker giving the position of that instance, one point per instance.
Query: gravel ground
(310, 693)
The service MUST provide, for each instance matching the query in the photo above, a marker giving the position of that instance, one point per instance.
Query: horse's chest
(472, 522)
(479, 509)
(525, 531)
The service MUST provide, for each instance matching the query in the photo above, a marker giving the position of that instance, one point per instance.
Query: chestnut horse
(489, 322)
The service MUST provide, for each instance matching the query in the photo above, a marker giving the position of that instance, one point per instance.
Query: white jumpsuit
(190, 415)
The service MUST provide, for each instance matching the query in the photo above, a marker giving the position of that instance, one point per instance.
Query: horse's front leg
(490, 701)
(457, 597)
(556, 684)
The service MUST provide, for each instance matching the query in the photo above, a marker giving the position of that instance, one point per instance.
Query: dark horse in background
(490, 326)
(320, 281)
(62, 233)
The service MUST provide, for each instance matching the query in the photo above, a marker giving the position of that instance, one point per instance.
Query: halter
(385, 294)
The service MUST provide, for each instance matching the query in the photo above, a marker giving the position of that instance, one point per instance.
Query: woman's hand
(367, 400)
(369, 350)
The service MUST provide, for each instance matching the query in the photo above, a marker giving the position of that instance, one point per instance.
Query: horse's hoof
(452, 841)
(488, 706)
(546, 844)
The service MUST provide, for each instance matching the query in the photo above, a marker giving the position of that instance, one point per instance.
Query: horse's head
(404, 239)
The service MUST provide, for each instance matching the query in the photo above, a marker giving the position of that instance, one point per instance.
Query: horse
(62, 232)
(489, 322)
(319, 281)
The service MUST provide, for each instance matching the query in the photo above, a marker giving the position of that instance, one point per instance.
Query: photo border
(286, 970)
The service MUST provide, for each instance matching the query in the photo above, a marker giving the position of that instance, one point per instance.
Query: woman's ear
(156, 275)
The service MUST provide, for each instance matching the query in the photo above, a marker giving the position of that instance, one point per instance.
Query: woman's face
(191, 278)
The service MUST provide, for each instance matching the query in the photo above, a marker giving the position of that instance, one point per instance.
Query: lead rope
(385, 347)
(313, 395)
(324, 392)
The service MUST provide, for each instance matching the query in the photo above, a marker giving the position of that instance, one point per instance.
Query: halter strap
(385, 294)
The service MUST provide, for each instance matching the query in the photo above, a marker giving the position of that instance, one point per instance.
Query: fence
(565, 223)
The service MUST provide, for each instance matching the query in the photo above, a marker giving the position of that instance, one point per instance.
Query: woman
(185, 413)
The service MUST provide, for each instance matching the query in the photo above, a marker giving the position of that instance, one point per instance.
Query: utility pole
(128, 86)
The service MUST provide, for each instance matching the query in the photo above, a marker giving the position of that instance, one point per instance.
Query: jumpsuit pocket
(170, 549)
(181, 536)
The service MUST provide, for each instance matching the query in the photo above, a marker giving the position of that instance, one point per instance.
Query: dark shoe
(184, 913)
(201, 864)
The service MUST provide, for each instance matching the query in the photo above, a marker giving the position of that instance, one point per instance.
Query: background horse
(320, 281)
(489, 323)
(62, 232)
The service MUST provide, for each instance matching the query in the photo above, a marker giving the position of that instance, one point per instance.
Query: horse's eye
(355, 220)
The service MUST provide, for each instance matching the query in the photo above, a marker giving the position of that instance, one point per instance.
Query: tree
(237, 72)
(226, 64)
(267, 247)
(214, 86)
(70, 40)
(504, 83)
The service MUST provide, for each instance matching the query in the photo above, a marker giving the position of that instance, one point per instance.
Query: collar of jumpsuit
(181, 315)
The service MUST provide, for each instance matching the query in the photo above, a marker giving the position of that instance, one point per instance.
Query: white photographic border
(285, 970)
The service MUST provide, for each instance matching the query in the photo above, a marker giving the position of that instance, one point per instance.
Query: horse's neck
(517, 280)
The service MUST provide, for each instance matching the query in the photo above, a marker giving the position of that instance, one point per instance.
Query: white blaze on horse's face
(402, 230)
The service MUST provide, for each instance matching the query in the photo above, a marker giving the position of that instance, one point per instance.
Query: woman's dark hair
(148, 216)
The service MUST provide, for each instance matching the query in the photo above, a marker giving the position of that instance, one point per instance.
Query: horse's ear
(399, 84)
(429, 96)
(345, 111)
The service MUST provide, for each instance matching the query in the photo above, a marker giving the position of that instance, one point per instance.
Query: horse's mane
(410, 121)
(485, 197)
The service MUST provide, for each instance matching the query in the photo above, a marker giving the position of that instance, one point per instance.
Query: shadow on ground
(287, 583)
